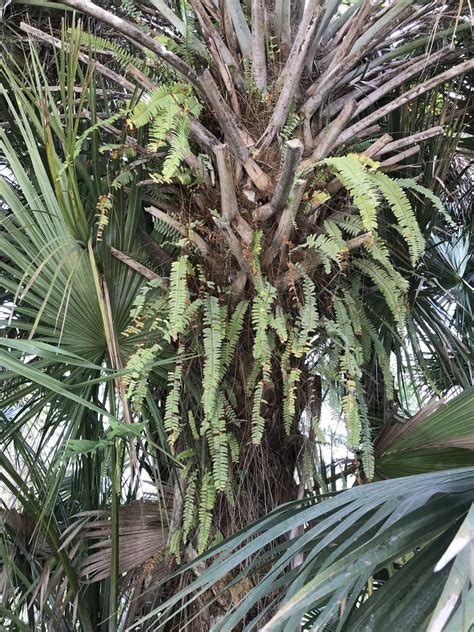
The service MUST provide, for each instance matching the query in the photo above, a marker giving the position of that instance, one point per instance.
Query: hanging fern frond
(350, 409)
(258, 422)
(366, 443)
(178, 297)
(218, 447)
(189, 506)
(410, 184)
(104, 206)
(207, 497)
(234, 447)
(261, 317)
(290, 383)
(353, 312)
(175, 544)
(131, 10)
(382, 356)
(100, 124)
(212, 339)
(166, 110)
(140, 365)
(307, 318)
(178, 148)
(232, 335)
(278, 324)
(292, 122)
(351, 357)
(401, 208)
(350, 224)
(391, 292)
(172, 418)
(166, 233)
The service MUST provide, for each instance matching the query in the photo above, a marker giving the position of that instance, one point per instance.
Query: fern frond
(189, 507)
(218, 446)
(178, 148)
(380, 253)
(122, 56)
(278, 324)
(261, 316)
(351, 359)
(290, 383)
(350, 224)
(366, 444)
(234, 447)
(401, 208)
(351, 414)
(409, 183)
(128, 6)
(161, 105)
(140, 365)
(232, 335)
(104, 206)
(230, 405)
(353, 312)
(327, 248)
(212, 337)
(258, 422)
(391, 292)
(207, 497)
(175, 544)
(382, 356)
(333, 231)
(291, 124)
(354, 176)
(178, 297)
(172, 418)
(100, 124)
(307, 318)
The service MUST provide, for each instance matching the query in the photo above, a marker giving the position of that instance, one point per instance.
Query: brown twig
(138, 267)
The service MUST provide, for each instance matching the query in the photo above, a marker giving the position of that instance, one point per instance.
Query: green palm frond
(379, 525)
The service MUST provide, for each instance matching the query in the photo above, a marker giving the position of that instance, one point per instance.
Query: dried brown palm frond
(143, 535)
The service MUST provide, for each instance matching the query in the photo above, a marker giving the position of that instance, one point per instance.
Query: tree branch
(48, 39)
(394, 160)
(259, 65)
(228, 125)
(182, 230)
(219, 52)
(410, 140)
(400, 78)
(138, 267)
(294, 151)
(161, 257)
(285, 225)
(292, 72)
(326, 141)
(234, 245)
(229, 205)
(135, 35)
(408, 96)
